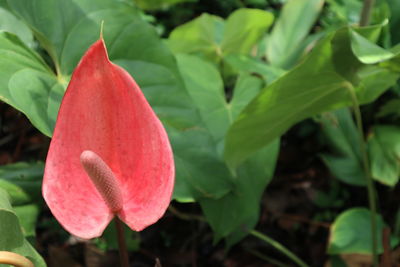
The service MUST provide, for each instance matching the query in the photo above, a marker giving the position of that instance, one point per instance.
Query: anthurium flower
(109, 155)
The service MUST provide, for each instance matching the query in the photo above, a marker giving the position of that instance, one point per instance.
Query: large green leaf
(211, 37)
(28, 84)
(321, 83)
(294, 23)
(9, 23)
(230, 214)
(67, 28)
(243, 29)
(351, 232)
(384, 154)
(367, 52)
(234, 214)
(344, 158)
(201, 36)
(205, 86)
(12, 238)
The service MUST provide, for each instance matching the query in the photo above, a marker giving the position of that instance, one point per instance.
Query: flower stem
(370, 182)
(279, 247)
(366, 12)
(123, 251)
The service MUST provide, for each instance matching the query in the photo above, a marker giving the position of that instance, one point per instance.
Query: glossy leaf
(104, 111)
(384, 154)
(212, 38)
(344, 158)
(243, 29)
(368, 52)
(28, 84)
(215, 113)
(321, 83)
(231, 216)
(9, 23)
(12, 238)
(239, 207)
(201, 36)
(351, 232)
(292, 26)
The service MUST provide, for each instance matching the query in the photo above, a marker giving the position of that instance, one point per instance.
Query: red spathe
(104, 111)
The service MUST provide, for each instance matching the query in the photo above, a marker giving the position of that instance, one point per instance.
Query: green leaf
(204, 174)
(240, 205)
(27, 215)
(25, 180)
(22, 181)
(17, 195)
(294, 23)
(212, 38)
(205, 86)
(322, 82)
(384, 154)
(249, 65)
(67, 28)
(243, 29)
(194, 148)
(12, 238)
(344, 159)
(201, 36)
(391, 108)
(299, 94)
(28, 84)
(368, 52)
(375, 80)
(232, 215)
(159, 4)
(351, 232)
(9, 23)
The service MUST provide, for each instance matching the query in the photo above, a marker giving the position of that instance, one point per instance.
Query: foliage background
(250, 92)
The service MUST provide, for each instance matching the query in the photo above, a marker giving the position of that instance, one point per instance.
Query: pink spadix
(103, 179)
(109, 155)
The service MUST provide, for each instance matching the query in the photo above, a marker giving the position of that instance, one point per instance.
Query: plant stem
(370, 183)
(279, 247)
(123, 251)
(14, 259)
(366, 12)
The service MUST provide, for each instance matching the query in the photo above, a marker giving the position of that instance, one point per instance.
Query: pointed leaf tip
(104, 111)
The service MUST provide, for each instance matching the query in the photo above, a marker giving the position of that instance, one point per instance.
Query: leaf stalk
(279, 247)
(368, 177)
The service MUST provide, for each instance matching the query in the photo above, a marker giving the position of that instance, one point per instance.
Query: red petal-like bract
(104, 111)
